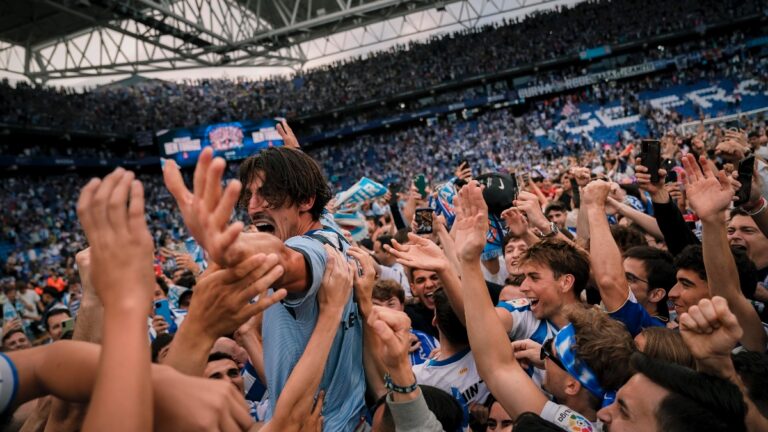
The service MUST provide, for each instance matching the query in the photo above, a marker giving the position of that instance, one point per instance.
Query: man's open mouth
(265, 226)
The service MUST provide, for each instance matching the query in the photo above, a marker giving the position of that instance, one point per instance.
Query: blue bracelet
(398, 389)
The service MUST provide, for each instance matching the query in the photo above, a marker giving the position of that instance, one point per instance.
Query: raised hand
(595, 194)
(363, 283)
(286, 133)
(711, 331)
(582, 175)
(734, 146)
(222, 298)
(111, 213)
(463, 172)
(516, 222)
(709, 193)
(471, 225)
(393, 328)
(644, 179)
(337, 280)
(419, 252)
(528, 352)
(529, 203)
(207, 210)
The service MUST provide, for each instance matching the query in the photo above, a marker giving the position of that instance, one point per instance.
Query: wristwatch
(553, 231)
(398, 389)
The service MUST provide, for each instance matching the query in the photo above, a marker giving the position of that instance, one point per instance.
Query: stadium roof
(51, 39)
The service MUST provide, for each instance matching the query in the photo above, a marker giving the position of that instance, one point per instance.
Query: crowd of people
(542, 36)
(493, 285)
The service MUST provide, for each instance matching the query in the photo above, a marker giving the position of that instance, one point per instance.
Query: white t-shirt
(456, 375)
(568, 419)
(499, 277)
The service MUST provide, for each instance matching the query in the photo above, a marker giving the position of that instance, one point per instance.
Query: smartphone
(526, 178)
(68, 325)
(462, 164)
(650, 157)
(671, 177)
(423, 218)
(163, 309)
(421, 185)
(575, 193)
(746, 171)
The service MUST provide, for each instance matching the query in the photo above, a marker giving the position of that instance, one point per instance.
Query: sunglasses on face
(546, 352)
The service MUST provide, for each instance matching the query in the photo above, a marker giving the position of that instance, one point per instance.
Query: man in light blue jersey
(285, 194)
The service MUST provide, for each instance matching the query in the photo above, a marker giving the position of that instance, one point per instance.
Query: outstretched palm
(420, 253)
(708, 193)
(207, 209)
(471, 226)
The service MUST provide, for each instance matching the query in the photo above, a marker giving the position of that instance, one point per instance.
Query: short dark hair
(55, 311)
(444, 406)
(752, 367)
(696, 401)
(508, 237)
(562, 258)
(385, 240)
(385, 289)
(532, 422)
(290, 176)
(11, 333)
(161, 341)
(555, 206)
(186, 280)
(659, 266)
(691, 258)
(218, 355)
(447, 320)
(161, 282)
(401, 236)
(628, 236)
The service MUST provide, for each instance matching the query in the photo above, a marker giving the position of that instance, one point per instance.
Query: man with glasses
(630, 291)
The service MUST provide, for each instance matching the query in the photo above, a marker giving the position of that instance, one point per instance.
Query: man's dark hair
(508, 237)
(696, 401)
(555, 206)
(660, 269)
(628, 237)
(290, 177)
(53, 312)
(53, 292)
(11, 333)
(752, 367)
(161, 341)
(401, 236)
(561, 258)
(161, 282)
(747, 272)
(385, 240)
(444, 406)
(531, 422)
(737, 211)
(186, 279)
(448, 322)
(385, 289)
(218, 355)
(691, 258)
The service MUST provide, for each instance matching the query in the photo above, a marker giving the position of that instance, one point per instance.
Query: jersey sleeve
(634, 316)
(566, 418)
(315, 259)
(9, 384)
(524, 322)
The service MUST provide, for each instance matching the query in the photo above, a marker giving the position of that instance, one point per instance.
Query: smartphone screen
(423, 218)
(746, 170)
(650, 157)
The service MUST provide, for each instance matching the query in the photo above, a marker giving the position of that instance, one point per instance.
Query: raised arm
(493, 354)
(710, 194)
(604, 254)
(644, 221)
(117, 231)
(424, 254)
(222, 304)
(711, 331)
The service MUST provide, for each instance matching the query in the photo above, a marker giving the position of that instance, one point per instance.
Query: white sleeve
(9, 384)
(567, 419)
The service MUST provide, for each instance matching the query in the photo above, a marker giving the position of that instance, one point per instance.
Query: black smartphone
(650, 157)
(463, 164)
(746, 171)
(423, 218)
(671, 177)
(575, 193)
(421, 185)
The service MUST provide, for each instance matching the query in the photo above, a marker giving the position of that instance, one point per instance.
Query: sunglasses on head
(546, 352)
